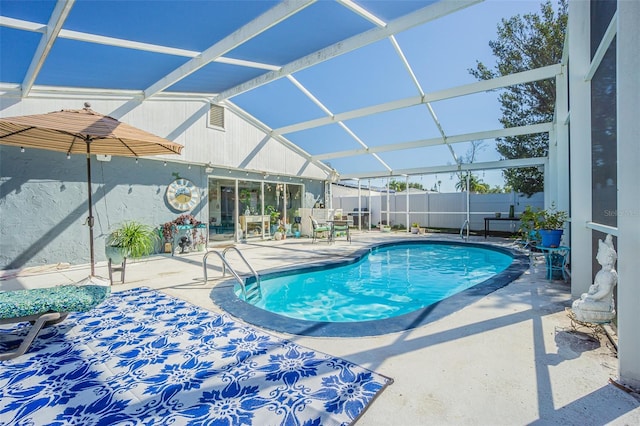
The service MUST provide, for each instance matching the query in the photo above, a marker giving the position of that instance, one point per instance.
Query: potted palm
(130, 240)
(546, 224)
(415, 228)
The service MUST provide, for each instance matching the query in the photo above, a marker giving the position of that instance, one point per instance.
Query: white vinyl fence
(440, 210)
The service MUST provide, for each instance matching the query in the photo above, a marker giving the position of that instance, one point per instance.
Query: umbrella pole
(90, 218)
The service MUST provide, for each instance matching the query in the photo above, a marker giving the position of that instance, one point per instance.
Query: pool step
(253, 292)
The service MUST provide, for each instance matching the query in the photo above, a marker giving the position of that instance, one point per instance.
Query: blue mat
(142, 357)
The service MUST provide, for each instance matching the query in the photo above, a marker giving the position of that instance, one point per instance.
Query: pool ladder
(251, 290)
(464, 225)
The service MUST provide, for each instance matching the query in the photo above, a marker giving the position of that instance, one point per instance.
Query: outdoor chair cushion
(318, 228)
(44, 306)
(66, 298)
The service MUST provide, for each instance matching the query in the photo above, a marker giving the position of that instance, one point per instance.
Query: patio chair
(340, 228)
(319, 229)
(46, 306)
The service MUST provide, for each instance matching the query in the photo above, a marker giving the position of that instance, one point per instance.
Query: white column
(551, 173)
(236, 216)
(628, 91)
(359, 205)
(562, 149)
(468, 204)
(407, 199)
(580, 156)
(370, 206)
(388, 201)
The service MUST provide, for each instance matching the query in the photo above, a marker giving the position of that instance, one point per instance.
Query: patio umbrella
(83, 132)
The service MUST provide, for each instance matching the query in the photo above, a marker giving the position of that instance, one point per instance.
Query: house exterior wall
(240, 145)
(43, 195)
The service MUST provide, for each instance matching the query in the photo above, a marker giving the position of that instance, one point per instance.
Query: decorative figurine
(184, 243)
(596, 306)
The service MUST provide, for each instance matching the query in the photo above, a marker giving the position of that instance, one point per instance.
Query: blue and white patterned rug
(143, 357)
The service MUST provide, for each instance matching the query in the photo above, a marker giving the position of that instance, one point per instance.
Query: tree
(475, 183)
(526, 42)
(401, 186)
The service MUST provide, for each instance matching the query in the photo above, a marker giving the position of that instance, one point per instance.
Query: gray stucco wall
(44, 203)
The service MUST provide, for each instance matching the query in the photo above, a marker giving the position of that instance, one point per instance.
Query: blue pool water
(390, 281)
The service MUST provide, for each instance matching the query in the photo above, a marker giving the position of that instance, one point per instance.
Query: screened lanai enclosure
(276, 101)
(355, 91)
(273, 101)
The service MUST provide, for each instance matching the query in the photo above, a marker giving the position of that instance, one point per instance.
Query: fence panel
(442, 210)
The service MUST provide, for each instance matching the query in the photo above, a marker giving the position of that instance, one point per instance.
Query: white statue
(596, 306)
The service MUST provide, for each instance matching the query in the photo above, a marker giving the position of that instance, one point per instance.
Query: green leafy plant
(274, 215)
(134, 239)
(535, 220)
(245, 198)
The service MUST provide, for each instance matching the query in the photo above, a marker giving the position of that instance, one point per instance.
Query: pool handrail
(226, 265)
(464, 225)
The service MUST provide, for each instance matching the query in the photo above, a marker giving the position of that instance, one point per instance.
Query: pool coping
(224, 296)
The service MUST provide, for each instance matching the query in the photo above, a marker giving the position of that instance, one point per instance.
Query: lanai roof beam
(426, 14)
(59, 15)
(262, 23)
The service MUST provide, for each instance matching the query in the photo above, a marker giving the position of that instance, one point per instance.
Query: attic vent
(216, 116)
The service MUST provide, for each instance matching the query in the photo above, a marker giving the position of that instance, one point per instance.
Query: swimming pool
(389, 287)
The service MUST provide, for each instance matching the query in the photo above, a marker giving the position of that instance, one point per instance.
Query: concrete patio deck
(509, 359)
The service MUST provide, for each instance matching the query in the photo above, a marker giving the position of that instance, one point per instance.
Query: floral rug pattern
(143, 357)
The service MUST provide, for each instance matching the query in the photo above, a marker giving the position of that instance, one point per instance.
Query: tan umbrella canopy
(83, 132)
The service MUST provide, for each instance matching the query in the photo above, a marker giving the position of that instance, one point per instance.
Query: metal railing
(226, 266)
(464, 225)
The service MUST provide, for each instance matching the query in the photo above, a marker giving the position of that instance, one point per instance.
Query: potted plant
(280, 233)
(547, 225)
(274, 215)
(168, 231)
(130, 240)
(245, 201)
(384, 227)
(297, 223)
(200, 242)
(415, 228)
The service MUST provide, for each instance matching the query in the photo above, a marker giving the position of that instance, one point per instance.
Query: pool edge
(223, 295)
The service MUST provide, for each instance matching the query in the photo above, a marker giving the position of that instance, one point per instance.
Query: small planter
(385, 228)
(200, 247)
(115, 254)
(415, 230)
(550, 237)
